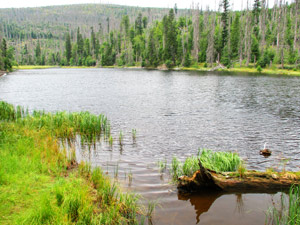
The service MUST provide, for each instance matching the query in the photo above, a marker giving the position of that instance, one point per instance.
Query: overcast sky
(236, 4)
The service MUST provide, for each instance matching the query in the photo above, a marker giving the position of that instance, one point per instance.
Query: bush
(169, 64)
(259, 69)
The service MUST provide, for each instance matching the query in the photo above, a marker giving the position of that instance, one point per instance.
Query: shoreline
(2, 73)
(247, 70)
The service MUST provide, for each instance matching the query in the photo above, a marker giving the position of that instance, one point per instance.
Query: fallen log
(250, 181)
(219, 66)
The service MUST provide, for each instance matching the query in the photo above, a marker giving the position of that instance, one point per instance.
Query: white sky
(237, 4)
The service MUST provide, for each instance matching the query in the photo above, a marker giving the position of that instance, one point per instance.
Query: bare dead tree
(196, 35)
(296, 24)
(210, 49)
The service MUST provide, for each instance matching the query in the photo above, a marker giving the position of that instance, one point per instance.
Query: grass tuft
(217, 161)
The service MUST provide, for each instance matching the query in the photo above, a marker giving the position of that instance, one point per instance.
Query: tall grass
(36, 186)
(60, 124)
(286, 215)
(217, 161)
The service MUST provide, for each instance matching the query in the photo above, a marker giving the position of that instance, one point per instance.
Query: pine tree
(139, 24)
(79, 43)
(38, 53)
(3, 48)
(170, 35)
(224, 19)
(235, 37)
(93, 41)
(68, 46)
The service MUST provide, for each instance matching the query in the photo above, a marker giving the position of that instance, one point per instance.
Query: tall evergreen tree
(235, 37)
(93, 41)
(139, 24)
(224, 19)
(68, 46)
(3, 48)
(170, 34)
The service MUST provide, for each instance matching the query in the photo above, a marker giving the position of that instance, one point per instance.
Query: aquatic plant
(121, 137)
(110, 140)
(133, 134)
(286, 214)
(60, 124)
(130, 177)
(176, 168)
(162, 165)
(150, 209)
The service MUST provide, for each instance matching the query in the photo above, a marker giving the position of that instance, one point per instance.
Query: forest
(257, 36)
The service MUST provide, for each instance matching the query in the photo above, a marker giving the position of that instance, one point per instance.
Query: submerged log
(250, 181)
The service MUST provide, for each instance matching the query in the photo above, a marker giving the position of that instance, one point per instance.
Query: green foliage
(68, 48)
(217, 161)
(255, 53)
(259, 69)
(37, 188)
(6, 56)
(137, 42)
(286, 214)
(225, 57)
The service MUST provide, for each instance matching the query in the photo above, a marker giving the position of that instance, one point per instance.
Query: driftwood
(219, 66)
(250, 181)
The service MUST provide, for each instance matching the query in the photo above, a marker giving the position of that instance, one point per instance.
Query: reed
(286, 214)
(121, 137)
(162, 165)
(60, 124)
(110, 140)
(133, 135)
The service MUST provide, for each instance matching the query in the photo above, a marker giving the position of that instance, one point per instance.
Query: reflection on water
(174, 114)
(201, 202)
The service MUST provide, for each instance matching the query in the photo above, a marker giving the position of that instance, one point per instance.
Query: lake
(175, 114)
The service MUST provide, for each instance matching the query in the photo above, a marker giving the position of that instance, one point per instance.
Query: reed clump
(217, 161)
(64, 125)
(286, 214)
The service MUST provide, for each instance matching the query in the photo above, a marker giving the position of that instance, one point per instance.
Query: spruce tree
(224, 19)
(68, 48)
(235, 37)
(38, 53)
(3, 48)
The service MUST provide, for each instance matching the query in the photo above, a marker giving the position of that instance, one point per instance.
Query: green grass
(31, 67)
(217, 161)
(61, 124)
(286, 215)
(196, 67)
(39, 184)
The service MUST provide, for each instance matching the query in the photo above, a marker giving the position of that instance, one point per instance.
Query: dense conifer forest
(107, 35)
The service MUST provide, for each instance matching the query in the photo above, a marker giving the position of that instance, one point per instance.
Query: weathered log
(250, 181)
(219, 66)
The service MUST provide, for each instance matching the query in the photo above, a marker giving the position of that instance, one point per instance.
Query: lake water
(175, 114)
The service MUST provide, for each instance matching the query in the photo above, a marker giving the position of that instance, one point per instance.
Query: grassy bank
(39, 184)
(198, 67)
(31, 67)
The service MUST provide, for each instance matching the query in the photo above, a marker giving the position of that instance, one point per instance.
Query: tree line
(262, 36)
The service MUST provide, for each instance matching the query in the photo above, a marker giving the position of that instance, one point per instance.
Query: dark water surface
(175, 114)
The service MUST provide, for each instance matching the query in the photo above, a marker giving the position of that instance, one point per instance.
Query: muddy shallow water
(175, 114)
